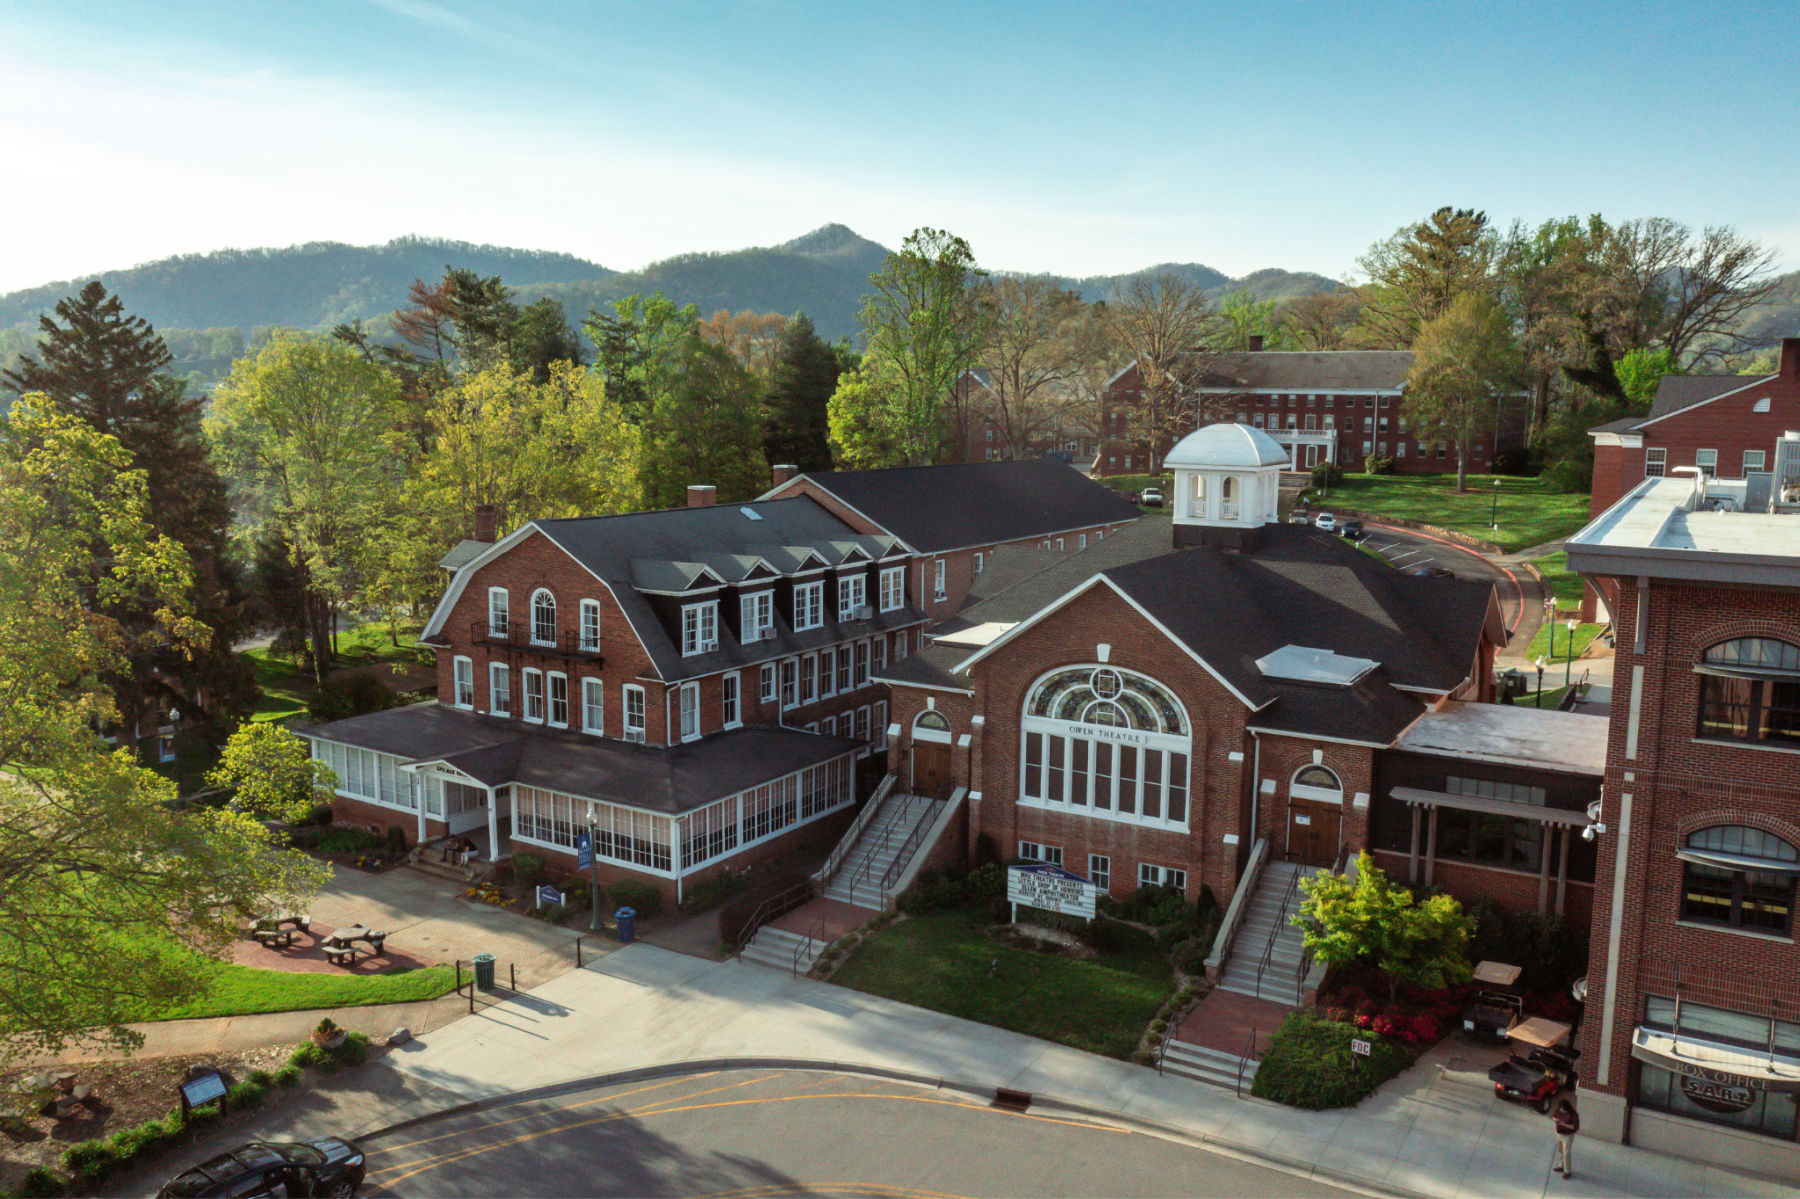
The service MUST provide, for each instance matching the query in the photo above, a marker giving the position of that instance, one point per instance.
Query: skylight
(1299, 664)
(752, 513)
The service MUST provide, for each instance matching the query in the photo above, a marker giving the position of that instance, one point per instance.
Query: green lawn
(243, 990)
(943, 962)
(1540, 644)
(1530, 512)
(1559, 580)
(283, 690)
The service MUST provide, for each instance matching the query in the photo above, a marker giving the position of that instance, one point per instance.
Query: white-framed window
(165, 747)
(1753, 460)
(878, 730)
(828, 726)
(534, 695)
(1161, 876)
(1032, 851)
(463, 675)
(593, 706)
(880, 644)
(1100, 871)
(862, 730)
(893, 588)
(633, 709)
(853, 593)
(543, 617)
(1707, 461)
(756, 613)
(902, 643)
(1081, 541)
(1108, 743)
(766, 689)
(938, 590)
(590, 626)
(690, 711)
(843, 668)
(499, 689)
(827, 676)
(1400, 450)
(980, 559)
(699, 628)
(1044, 544)
(730, 714)
(498, 612)
(809, 679)
(1059, 545)
(809, 606)
(1656, 463)
(790, 684)
(559, 699)
(862, 663)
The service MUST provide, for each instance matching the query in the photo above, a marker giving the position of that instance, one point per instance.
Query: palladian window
(1739, 877)
(1750, 691)
(1109, 743)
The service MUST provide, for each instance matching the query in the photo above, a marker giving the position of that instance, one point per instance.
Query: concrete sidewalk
(1438, 1130)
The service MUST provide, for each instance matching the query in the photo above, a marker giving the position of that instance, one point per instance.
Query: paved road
(1407, 549)
(768, 1133)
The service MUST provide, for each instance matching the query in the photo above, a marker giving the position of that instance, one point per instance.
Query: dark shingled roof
(674, 779)
(938, 508)
(1325, 370)
(1676, 392)
(1369, 711)
(930, 667)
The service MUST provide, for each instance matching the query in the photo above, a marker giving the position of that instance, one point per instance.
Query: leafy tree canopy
(1371, 919)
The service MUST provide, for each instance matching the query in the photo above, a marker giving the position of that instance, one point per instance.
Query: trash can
(484, 971)
(627, 919)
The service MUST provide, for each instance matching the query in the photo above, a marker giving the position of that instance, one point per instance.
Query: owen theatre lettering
(1100, 732)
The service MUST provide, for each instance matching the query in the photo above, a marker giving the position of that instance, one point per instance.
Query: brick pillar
(701, 495)
(781, 474)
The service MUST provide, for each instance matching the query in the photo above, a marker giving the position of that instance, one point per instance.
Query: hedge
(1309, 1064)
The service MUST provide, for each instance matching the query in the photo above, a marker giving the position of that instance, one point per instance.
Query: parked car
(1352, 529)
(1431, 572)
(1299, 516)
(1326, 521)
(326, 1166)
(1151, 497)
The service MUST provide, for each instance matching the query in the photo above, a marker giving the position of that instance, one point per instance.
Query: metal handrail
(1287, 897)
(904, 857)
(817, 926)
(848, 841)
(1244, 1060)
(1237, 909)
(770, 908)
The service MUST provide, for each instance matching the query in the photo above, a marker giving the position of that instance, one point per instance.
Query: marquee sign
(1042, 885)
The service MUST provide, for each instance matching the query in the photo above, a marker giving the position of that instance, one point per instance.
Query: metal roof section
(1299, 664)
(1687, 526)
(976, 635)
(1508, 735)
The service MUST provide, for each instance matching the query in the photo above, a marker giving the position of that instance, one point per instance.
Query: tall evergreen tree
(109, 370)
(795, 428)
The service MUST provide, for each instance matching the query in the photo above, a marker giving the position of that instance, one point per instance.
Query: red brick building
(1052, 422)
(1691, 1035)
(1193, 697)
(1342, 406)
(1725, 426)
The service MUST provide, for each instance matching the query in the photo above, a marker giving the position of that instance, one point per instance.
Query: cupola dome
(1227, 484)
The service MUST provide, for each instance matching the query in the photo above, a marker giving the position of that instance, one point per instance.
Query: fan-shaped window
(543, 617)
(1750, 691)
(931, 726)
(1108, 743)
(1740, 877)
(1129, 700)
(1318, 778)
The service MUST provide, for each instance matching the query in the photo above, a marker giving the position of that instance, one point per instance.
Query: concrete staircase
(774, 947)
(1280, 981)
(858, 877)
(1206, 1065)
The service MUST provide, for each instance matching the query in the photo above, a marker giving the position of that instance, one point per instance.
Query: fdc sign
(1041, 885)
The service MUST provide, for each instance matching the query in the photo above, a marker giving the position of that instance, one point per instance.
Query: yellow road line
(655, 1086)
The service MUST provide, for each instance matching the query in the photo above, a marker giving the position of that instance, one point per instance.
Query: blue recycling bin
(484, 971)
(627, 918)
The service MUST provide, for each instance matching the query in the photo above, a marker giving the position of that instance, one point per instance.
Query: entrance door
(1312, 455)
(1313, 830)
(930, 768)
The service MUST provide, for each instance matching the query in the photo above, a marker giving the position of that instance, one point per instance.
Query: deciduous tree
(1167, 327)
(705, 427)
(1371, 920)
(1464, 363)
(1038, 340)
(1414, 275)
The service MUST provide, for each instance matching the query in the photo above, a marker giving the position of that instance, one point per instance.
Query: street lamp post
(594, 876)
(1494, 515)
(1540, 670)
(1569, 662)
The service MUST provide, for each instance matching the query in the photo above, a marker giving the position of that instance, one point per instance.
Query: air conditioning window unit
(864, 612)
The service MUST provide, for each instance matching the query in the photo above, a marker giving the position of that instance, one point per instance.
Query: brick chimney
(1256, 343)
(781, 474)
(700, 495)
(485, 518)
(1790, 358)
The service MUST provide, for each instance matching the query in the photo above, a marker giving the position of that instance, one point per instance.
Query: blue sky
(1077, 138)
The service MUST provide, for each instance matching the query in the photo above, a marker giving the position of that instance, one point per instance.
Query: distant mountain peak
(832, 241)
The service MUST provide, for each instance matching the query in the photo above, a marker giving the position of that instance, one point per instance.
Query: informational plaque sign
(202, 1090)
(550, 896)
(1041, 885)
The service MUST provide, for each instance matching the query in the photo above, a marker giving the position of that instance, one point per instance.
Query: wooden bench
(341, 955)
(274, 937)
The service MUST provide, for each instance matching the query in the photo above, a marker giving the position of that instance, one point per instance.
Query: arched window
(1317, 782)
(1228, 498)
(543, 617)
(1106, 742)
(931, 726)
(1740, 877)
(1750, 691)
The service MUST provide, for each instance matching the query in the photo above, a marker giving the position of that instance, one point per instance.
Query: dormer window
(543, 617)
(699, 628)
(852, 597)
(590, 626)
(498, 614)
(893, 586)
(809, 606)
(757, 615)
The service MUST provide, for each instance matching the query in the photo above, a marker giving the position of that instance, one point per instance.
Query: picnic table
(340, 946)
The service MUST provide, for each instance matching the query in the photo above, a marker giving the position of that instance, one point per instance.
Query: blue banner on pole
(584, 852)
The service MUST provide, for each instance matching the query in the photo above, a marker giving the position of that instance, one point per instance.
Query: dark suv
(326, 1166)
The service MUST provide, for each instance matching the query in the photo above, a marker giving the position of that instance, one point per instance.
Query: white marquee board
(1041, 885)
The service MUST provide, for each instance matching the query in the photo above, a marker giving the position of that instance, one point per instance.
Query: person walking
(1567, 1123)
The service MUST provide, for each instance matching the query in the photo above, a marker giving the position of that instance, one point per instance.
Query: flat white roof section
(1299, 664)
(975, 635)
(1507, 735)
(1677, 528)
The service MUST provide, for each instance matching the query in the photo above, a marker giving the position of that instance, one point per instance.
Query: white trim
(733, 681)
(1081, 589)
(531, 629)
(550, 677)
(598, 730)
(492, 710)
(1255, 728)
(892, 682)
(625, 729)
(686, 692)
(526, 674)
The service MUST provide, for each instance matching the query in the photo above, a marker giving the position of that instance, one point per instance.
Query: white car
(1151, 497)
(1326, 521)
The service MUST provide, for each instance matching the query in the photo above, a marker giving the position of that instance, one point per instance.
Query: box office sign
(1717, 1091)
(1042, 885)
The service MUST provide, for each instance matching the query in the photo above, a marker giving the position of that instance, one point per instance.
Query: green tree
(1465, 363)
(108, 370)
(1372, 920)
(865, 434)
(1640, 373)
(705, 426)
(1166, 326)
(1039, 339)
(638, 345)
(1416, 273)
(796, 425)
(1242, 316)
(923, 321)
(273, 772)
(105, 889)
(304, 433)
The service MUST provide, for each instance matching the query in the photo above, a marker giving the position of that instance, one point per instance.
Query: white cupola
(1227, 482)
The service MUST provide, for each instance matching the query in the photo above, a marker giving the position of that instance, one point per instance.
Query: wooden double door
(931, 768)
(1314, 829)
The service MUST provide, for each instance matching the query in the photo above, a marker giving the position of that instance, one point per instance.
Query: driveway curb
(1207, 1141)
